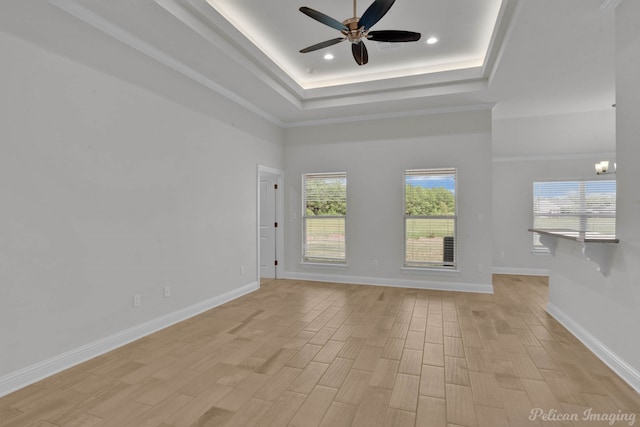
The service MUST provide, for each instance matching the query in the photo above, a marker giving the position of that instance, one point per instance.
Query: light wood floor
(311, 354)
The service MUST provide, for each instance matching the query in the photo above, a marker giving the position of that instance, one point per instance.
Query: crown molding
(507, 22)
(98, 22)
(204, 21)
(210, 25)
(577, 156)
(395, 115)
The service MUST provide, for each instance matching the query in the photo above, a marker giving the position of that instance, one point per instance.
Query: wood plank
(314, 407)
(352, 348)
(431, 412)
(284, 408)
(393, 349)
(433, 354)
(384, 374)
(198, 406)
(491, 417)
(368, 358)
(453, 347)
(249, 415)
(339, 415)
(354, 386)
(460, 407)
(336, 373)
(372, 410)
(434, 335)
(414, 340)
(305, 355)
(456, 371)
(432, 381)
(398, 418)
(477, 360)
(524, 367)
(278, 383)
(308, 378)
(518, 407)
(451, 329)
(411, 362)
(333, 354)
(486, 390)
(405, 392)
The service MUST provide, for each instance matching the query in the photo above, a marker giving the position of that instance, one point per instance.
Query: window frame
(431, 266)
(536, 247)
(315, 260)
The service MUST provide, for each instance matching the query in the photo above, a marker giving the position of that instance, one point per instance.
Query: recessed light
(432, 40)
(328, 56)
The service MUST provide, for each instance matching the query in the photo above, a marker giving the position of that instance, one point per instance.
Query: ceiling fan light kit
(356, 30)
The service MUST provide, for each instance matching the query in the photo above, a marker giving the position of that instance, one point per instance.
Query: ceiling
(526, 57)
(464, 29)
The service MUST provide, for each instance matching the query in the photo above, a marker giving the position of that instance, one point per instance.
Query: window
(324, 217)
(574, 205)
(430, 218)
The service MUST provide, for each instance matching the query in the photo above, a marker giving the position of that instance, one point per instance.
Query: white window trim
(324, 266)
(315, 262)
(431, 269)
(437, 271)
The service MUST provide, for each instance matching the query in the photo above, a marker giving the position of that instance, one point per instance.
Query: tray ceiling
(465, 30)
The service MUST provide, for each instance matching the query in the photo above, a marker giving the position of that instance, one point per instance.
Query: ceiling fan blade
(326, 20)
(322, 45)
(393, 36)
(374, 13)
(359, 51)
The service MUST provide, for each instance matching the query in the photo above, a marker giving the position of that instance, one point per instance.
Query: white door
(268, 218)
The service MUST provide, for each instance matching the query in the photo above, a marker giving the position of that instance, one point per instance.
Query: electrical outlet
(136, 300)
(242, 270)
(167, 291)
(480, 268)
(375, 262)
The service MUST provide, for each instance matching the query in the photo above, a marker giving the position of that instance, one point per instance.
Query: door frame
(263, 170)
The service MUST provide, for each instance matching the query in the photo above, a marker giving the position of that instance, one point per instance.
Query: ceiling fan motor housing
(355, 32)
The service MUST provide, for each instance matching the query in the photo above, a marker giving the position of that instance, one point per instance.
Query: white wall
(375, 154)
(513, 203)
(604, 311)
(555, 134)
(109, 190)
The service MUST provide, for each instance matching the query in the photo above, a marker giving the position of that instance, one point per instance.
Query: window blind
(325, 210)
(430, 218)
(574, 205)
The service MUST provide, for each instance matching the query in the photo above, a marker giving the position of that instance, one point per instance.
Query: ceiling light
(603, 167)
(432, 40)
(328, 56)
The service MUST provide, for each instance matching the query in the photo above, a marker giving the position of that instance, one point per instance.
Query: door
(268, 226)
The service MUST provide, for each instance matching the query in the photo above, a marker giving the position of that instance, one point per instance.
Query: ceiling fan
(357, 29)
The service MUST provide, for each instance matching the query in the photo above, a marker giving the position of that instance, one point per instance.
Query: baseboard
(612, 360)
(36, 372)
(521, 271)
(396, 283)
